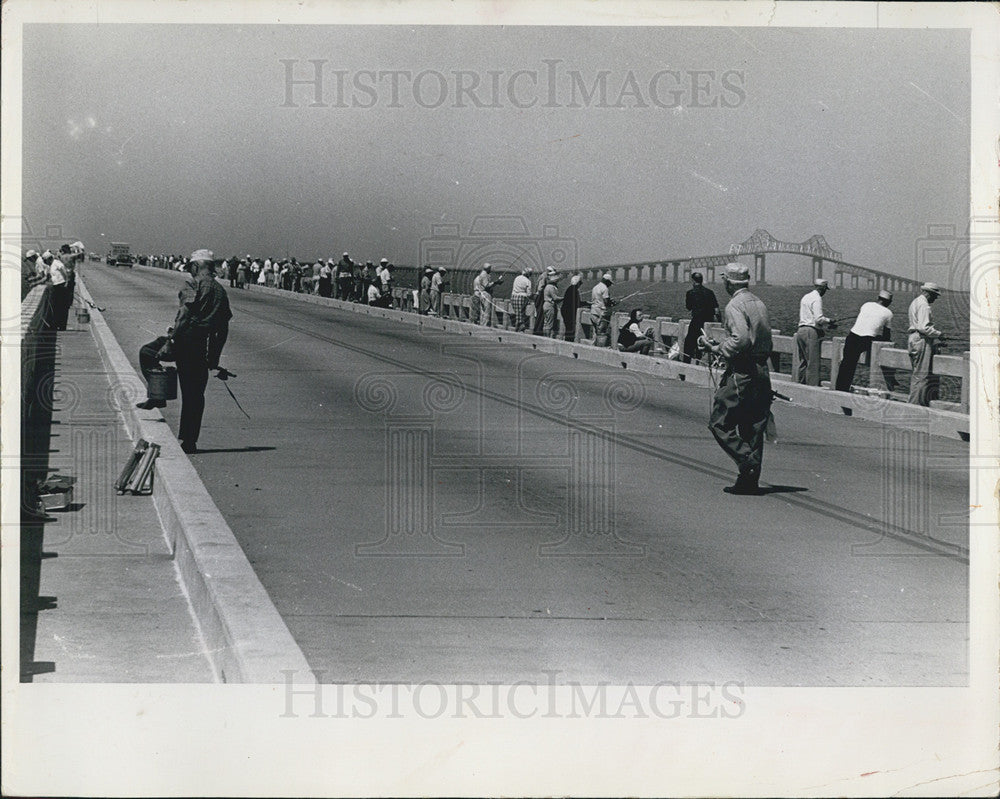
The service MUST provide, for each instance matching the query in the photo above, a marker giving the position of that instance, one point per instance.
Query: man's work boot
(149, 404)
(746, 484)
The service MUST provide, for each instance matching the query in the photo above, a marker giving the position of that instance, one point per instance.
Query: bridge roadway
(796, 587)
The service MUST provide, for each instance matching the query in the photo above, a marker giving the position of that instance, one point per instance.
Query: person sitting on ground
(151, 355)
(631, 338)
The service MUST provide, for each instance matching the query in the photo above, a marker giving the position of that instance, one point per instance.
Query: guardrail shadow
(36, 431)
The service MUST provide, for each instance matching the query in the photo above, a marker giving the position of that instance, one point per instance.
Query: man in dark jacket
(570, 305)
(704, 307)
(345, 276)
(200, 332)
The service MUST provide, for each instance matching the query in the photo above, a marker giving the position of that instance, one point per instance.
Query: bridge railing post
(617, 320)
(836, 355)
(876, 377)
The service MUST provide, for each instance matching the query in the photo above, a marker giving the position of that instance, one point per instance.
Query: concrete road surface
(428, 507)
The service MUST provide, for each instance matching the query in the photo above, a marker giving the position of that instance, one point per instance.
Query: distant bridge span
(508, 254)
(845, 274)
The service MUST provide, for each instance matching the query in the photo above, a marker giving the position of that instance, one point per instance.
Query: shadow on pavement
(36, 431)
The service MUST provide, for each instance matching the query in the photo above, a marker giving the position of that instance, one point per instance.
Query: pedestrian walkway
(100, 596)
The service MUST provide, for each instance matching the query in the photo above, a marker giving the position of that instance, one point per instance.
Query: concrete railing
(936, 421)
(35, 373)
(882, 364)
(34, 310)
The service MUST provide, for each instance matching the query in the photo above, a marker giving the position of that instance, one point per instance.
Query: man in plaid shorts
(519, 297)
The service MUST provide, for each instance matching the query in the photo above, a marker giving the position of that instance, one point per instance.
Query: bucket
(162, 384)
(82, 315)
(55, 493)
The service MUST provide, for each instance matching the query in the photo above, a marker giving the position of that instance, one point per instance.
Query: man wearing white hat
(424, 297)
(600, 307)
(482, 288)
(520, 296)
(33, 271)
(438, 283)
(742, 401)
(58, 276)
(550, 302)
(345, 276)
(812, 325)
(922, 343)
(199, 334)
(873, 322)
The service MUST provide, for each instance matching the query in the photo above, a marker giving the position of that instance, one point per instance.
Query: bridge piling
(758, 267)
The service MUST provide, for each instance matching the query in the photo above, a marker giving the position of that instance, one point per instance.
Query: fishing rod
(79, 296)
(224, 374)
(633, 294)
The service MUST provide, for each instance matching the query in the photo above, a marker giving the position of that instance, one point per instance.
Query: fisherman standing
(704, 307)
(812, 324)
(437, 286)
(743, 399)
(58, 275)
(550, 302)
(425, 291)
(200, 332)
(520, 295)
(326, 278)
(570, 305)
(345, 274)
(923, 341)
(872, 323)
(483, 287)
(367, 273)
(600, 308)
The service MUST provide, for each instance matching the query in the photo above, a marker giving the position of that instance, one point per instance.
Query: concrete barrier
(246, 637)
(34, 309)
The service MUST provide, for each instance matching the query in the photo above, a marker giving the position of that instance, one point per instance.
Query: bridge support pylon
(758, 268)
(817, 267)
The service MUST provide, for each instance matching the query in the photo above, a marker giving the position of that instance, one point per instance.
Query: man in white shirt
(33, 272)
(374, 295)
(482, 288)
(923, 340)
(437, 286)
(520, 296)
(812, 325)
(61, 298)
(600, 306)
(873, 322)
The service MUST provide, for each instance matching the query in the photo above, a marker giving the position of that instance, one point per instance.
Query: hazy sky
(174, 137)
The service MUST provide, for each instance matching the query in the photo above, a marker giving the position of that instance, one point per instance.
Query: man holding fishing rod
(873, 324)
(195, 342)
(742, 401)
